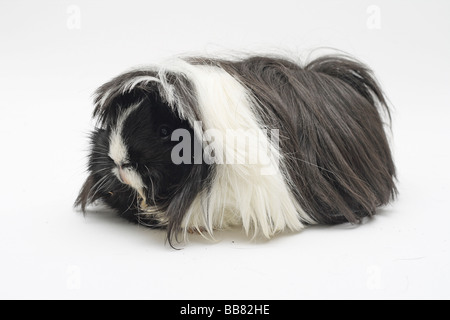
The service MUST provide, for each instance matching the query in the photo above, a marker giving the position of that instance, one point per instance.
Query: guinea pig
(202, 144)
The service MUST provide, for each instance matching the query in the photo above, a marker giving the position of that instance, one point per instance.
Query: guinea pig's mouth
(144, 207)
(132, 179)
(142, 201)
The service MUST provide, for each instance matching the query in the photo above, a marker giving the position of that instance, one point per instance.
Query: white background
(48, 70)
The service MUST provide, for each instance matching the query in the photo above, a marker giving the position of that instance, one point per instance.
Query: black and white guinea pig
(202, 144)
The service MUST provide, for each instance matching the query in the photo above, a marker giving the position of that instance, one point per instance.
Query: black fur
(150, 155)
(334, 141)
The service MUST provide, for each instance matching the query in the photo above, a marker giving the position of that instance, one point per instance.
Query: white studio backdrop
(54, 54)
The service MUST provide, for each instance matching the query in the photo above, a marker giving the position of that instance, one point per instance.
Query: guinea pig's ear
(121, 92)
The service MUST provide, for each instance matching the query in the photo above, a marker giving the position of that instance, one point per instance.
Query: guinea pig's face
(130, 161)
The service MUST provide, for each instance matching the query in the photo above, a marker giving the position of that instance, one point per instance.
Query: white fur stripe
(239, 193)
(119, 154)
(117, 148)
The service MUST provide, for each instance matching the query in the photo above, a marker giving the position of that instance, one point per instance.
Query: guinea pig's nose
(123, 175)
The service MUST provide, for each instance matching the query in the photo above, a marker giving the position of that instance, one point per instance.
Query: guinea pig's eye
(164, 131)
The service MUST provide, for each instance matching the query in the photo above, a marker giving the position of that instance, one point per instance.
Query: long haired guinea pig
(201, 144)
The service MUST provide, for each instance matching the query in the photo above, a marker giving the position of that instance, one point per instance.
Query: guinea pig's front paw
(196, 230)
